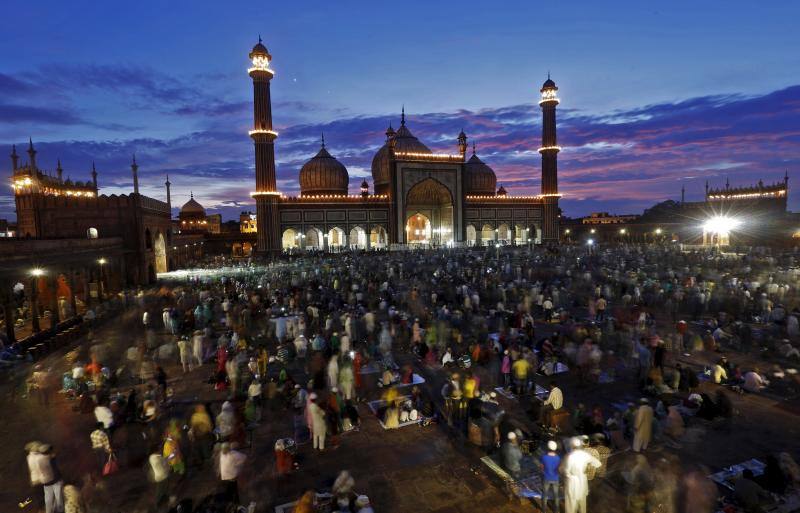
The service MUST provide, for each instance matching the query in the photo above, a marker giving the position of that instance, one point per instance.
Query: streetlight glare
(721, 225)
(102, 261)
(590, 242)
(37, 272)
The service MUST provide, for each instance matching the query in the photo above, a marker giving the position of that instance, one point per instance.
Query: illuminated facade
(419, 197)
(51, 207)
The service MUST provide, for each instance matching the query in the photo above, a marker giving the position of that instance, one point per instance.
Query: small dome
(323, 174)
(501, 191)
(549, 84)
(260, 49)
(479, 179)
(192, 207)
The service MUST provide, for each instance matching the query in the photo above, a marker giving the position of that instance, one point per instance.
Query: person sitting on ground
(753, 382)
(720, 373)
(749, 494)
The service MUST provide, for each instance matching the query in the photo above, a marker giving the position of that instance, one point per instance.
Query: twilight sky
(654, 95)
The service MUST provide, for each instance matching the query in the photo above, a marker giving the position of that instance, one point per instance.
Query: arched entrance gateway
(429, 214)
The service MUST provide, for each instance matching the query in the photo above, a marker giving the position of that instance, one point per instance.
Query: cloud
(621, 161)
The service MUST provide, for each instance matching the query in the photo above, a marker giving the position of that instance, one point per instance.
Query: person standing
(158, 474)
(551, 463)
(642, 426)
(576, 485)
(231, 462)
(44, 471)
(318, 426)
(100, 445)
(512, 455)
(183, 352)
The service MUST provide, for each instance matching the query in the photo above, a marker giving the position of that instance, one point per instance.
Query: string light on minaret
(266, 194)
(549, 151)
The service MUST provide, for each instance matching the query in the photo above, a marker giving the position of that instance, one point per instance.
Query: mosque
(418, 198)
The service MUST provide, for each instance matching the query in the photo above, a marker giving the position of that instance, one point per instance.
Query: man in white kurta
(576, 485)
(642, 426)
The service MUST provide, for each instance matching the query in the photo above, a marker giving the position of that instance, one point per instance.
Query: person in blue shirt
(551, 462)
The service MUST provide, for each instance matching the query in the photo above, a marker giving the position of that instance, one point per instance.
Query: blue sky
(653, 96)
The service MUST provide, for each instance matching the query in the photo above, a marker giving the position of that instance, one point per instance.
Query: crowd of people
(497, 331)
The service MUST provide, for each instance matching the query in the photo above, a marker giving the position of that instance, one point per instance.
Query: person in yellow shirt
(470, 384)
(520, 369)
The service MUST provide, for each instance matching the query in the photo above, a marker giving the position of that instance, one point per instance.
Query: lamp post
(36, 273)
(101, 289)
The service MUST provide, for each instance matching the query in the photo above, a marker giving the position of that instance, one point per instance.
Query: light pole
(36, 273)
(101, 288)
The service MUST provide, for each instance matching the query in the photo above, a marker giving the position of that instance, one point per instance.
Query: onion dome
(260, 49)
(192, 207)
(323, 174)
(548, 84)
(403, 141)
(479, 178)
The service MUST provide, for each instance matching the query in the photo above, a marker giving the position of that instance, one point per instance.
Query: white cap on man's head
(552, 445)
(512, 435)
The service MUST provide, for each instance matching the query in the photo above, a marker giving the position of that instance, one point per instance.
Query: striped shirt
(100, 440)
(555, 399)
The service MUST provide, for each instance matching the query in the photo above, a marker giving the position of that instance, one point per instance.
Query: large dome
(323, 174)
(404, 142)
(479, 179)
(193, 207)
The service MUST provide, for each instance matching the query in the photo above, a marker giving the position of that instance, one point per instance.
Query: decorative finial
(30, 143)
(191, 194)
(167, 182)
(58, 164)
(473, 148)
(403, 116)
(323, 139)
(259, 38)
(134, 159)
(548, 74)
(13, 150)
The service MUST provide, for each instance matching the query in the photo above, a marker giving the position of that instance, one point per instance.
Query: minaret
(462, 143)
(135, 171)
(169, 198)
(32, 154)
(94, 177)
(60, 171)
(14, 157)
(266, 194)
(549, 151)
(683, 194)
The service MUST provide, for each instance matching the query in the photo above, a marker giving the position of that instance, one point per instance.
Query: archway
(148, 239)
(290, 239)
(160, 252)
(418, 229)
(91, 233)
(313, 239)
(247, 249)
(487, 234)
(503, 233)
(429, 200)
(236, 249)
(472, 235)
(377, 238)
(520, 234)
(336, 238)
(358, 238)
